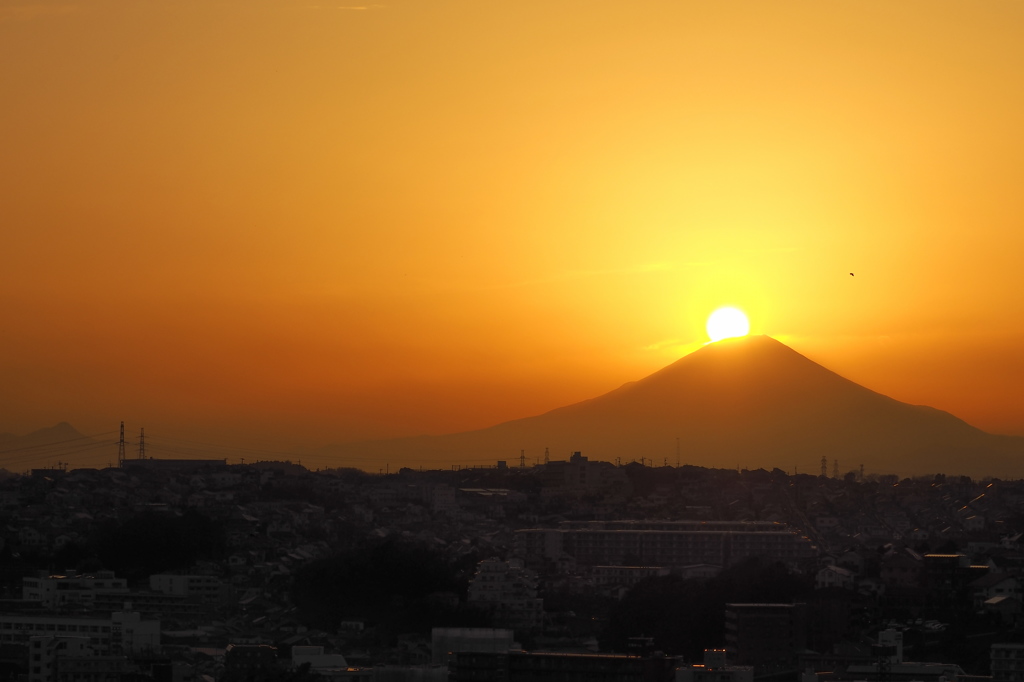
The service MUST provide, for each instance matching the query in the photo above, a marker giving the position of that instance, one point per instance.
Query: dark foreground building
(524, 666)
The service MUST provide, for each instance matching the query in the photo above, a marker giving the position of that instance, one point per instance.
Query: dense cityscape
(204, 571)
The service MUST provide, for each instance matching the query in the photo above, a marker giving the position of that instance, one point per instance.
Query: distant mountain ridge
(751, 402)
(46, 446)
(59, 430)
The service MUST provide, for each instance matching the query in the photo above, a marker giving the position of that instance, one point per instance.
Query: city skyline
(290, 226)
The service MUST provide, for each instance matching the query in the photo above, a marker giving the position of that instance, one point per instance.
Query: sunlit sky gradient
(288, 224)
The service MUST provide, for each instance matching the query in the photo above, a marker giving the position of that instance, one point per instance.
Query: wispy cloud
(666, 343)
(357, 8)
(677, 347)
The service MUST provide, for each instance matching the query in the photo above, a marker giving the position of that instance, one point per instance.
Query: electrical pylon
(120, 448)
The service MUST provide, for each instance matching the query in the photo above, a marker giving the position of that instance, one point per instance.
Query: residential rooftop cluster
(204, 571)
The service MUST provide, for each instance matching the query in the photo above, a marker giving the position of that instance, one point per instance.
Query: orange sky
(279, 224)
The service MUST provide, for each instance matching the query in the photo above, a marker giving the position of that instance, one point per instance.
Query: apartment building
(664, 543)
(55, 591)
(122, 632)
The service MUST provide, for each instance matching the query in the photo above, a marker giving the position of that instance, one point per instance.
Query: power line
(25, 448)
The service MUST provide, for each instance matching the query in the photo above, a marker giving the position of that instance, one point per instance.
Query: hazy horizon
(752, 400)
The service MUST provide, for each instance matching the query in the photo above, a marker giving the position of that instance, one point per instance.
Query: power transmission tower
(142, 443)
(120, 448)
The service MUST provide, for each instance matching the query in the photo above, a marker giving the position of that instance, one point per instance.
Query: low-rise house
(852, 561)
(994, 585)
(827, 523)
(835, 576)
(902, 568)
(974, 523)
(918, 535)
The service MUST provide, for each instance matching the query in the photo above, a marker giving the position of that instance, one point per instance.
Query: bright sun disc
(725, 323)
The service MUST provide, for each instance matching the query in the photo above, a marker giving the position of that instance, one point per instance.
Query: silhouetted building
(507, 591)
(887, 664)
(769, 637)
(173, 465)
(1007, 662)
(245, 661)
(715, 668)
(445, 641)
(947, 578)
(579, 476)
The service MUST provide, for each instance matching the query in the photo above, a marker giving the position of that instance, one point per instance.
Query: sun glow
(726, 323)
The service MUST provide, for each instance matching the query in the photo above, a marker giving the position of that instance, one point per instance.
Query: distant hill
(750, 402)
(48, 446)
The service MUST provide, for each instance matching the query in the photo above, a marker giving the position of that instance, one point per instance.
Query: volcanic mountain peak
(747, 358)
(752, 401)
(736, 379)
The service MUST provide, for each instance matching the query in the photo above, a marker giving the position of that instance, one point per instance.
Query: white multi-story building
(508, 592)
(122, 632)
(205, 587)
(72, 659)
(54, 591)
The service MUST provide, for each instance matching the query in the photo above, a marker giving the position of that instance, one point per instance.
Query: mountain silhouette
(48, 446)
(751, 402)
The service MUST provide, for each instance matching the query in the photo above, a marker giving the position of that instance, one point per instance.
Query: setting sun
(726, 323)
